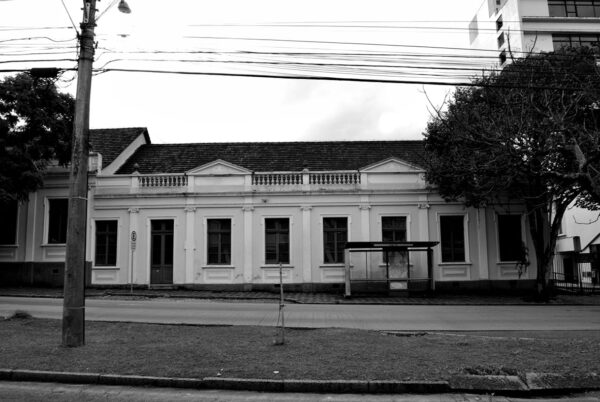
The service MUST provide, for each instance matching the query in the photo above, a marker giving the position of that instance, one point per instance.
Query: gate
(577, 273)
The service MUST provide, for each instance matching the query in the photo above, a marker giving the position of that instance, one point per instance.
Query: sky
(398, 40)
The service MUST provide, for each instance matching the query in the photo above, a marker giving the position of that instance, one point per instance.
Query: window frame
(523, 235)
(207, 262)
(47, 221)
(95, 243)
(466, 238)
(323, 238)
(289, 243)
(570, 8)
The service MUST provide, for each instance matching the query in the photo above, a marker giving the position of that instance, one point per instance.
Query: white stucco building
(524, 26)
(225, 215)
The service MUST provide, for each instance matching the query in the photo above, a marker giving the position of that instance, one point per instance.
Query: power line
(346, 79)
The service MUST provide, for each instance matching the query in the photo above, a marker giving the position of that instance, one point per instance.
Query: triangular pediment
(391, 165)
(218, 167)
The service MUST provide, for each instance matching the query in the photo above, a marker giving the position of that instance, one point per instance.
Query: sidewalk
(305, 298)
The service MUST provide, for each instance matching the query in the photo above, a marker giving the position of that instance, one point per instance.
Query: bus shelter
(399, 267)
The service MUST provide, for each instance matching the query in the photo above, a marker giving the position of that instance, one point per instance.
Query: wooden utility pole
(73, 329)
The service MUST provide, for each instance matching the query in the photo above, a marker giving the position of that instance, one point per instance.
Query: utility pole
(73, 328)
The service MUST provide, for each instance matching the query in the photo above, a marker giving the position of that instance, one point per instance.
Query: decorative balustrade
(276, 179)
(334, 178)
(281, 179)
(163, 181)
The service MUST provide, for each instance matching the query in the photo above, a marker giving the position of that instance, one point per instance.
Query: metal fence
(577, 273)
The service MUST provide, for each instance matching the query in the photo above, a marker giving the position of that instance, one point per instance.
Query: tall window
(335, 236)
(106, 243)
(277, 241)
(510, 241)
(58, 209)
(452, 233)
(8, 223)
(219, 241)
(574, 8)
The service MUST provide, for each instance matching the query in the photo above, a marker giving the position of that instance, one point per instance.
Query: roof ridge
(120, 128)
(286, 142)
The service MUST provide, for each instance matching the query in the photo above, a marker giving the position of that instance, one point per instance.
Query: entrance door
(161, 249)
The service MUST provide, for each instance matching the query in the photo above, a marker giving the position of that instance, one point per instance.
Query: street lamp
(124, 7)
(73, 325)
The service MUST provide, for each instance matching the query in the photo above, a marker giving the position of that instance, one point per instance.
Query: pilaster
(189, 244)
(248, 216)
(482, 247)
(306, 251)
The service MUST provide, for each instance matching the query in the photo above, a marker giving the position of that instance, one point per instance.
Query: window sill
(54, 245)
(334, 265)
(216, 266)
(455, 263)
(508, 262)
(9, 246)
(105, 267)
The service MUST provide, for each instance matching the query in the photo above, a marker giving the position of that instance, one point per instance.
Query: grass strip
(325, 354)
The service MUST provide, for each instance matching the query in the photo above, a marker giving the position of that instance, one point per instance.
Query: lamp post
(73, 328)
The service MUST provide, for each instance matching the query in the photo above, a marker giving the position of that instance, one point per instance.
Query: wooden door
(161, 252)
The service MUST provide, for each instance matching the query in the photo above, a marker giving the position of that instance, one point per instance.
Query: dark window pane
(219, 241)
(452, 238)
(393, 228)
(557, 9)
(509, 237)
(277, 244)
(57, 220)
(8, 222)
(106, 243)
(335, 235)
(585, 9)
(156, 249)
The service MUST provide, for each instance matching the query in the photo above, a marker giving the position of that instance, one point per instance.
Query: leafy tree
(529, 133)
(36, 122)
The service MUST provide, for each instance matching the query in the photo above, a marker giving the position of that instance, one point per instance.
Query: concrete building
(524, 26)
(226, 215)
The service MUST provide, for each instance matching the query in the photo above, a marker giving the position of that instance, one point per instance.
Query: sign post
(133, 245)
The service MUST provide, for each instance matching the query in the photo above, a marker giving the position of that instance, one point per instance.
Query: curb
(534, 384)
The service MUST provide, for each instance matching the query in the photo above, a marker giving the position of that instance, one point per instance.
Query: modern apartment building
(523, 26)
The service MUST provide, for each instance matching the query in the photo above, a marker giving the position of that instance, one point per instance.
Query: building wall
(391, 189)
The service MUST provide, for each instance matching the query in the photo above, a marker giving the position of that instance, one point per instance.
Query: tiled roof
(272, 156)
(110, 142)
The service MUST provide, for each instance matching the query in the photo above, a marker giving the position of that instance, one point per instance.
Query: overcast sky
(201, 108)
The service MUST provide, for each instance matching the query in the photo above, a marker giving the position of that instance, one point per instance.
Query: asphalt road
(31, 392)
(377, 317)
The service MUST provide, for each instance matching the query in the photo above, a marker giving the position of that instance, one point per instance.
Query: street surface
(33, 392)
(375, 317)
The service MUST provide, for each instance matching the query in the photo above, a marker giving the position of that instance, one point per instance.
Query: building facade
(229, 215)
(524, 26)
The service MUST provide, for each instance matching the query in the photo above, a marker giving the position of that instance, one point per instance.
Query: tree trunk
(544, 233)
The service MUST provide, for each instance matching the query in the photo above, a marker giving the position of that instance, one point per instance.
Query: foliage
(36, 122)
(528, 133)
